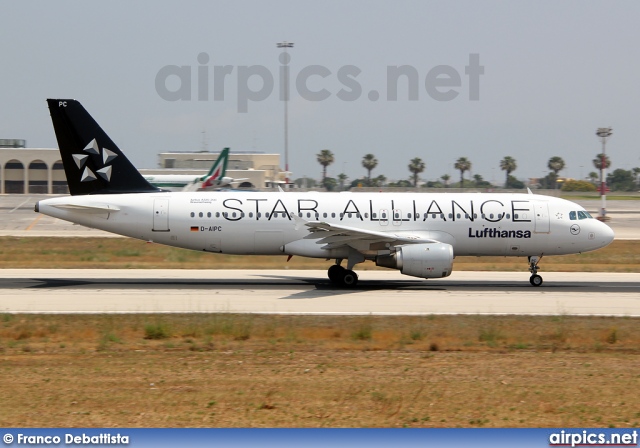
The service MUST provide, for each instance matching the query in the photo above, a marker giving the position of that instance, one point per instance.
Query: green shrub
(578, 185)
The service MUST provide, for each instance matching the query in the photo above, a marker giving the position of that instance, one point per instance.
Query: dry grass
(620, 256)
(311, 371)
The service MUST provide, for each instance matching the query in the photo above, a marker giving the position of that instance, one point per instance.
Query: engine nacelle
(433, 260)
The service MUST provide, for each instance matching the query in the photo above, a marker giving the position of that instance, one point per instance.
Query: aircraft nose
(605, 233)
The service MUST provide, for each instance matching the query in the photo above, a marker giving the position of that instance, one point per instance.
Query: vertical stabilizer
(218, 170)
(92, 162)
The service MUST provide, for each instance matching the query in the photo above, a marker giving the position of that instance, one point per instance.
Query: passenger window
(572, 216)
(324, 215)
(333, 215)
(250, 214)
(193, 214)
(200, 215)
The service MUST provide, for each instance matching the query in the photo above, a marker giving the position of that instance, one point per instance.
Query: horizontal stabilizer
(96, 208)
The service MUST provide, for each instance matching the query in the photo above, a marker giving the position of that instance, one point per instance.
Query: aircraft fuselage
(271, 223)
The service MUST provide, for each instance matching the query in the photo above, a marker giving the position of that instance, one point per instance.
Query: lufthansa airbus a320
(416, 233)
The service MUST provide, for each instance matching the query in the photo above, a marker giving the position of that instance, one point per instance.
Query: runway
(310, 292)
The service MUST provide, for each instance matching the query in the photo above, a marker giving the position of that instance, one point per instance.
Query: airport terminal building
(30, 170)
(258, 170)
(39, 170)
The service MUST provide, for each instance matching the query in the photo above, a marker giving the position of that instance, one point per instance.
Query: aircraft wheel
(334, 273)
(535, 280)
(349, 279)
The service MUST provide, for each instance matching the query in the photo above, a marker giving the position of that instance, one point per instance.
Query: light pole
(284, 59)
(603, 133)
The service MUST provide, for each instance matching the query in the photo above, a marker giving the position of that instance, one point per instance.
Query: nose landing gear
(535, 279)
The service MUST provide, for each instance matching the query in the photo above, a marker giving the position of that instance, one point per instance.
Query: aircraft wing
(335, 235)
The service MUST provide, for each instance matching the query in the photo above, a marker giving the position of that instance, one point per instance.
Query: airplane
(418, 234)
(188, 182)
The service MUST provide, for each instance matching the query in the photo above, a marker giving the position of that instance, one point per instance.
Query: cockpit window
(572, 216)
(583, 215)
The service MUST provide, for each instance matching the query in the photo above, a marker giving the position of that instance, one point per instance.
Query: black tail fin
(92, 162)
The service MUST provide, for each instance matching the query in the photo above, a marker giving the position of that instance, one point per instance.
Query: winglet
(529, 190)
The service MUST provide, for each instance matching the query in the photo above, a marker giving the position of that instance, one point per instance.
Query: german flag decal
(195, 228)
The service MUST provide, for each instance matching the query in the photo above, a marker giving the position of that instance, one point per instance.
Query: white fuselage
(271, 223)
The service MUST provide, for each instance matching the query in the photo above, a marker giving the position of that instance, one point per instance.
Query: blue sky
(553, 73)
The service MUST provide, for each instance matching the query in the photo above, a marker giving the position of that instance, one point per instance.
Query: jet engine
(433, 260)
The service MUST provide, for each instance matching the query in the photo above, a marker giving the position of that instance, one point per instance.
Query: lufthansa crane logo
(574, 229)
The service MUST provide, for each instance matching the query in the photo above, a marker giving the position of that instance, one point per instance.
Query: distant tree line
(618, 180)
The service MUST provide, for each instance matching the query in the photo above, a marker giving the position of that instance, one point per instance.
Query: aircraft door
(161, 215)
(541, 217)
(384, 217)
(397, 217)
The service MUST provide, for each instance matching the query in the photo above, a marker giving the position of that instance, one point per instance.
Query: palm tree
(369, 162)
(597, 162)
(342, 178)
(416, 167)
(445, 178)
(555, 164)
(593, 177)
(509, 165)
(462, 165)
(325, 158)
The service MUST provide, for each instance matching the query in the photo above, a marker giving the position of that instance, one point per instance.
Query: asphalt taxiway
(300, 292)
(310, 292)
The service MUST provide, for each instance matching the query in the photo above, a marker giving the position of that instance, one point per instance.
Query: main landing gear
(341, 276)
(535, 279)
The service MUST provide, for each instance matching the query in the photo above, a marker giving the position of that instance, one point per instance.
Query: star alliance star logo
(81, 159)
